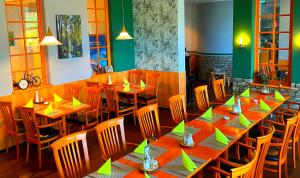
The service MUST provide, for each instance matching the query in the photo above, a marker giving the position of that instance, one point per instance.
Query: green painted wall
(122, 52)
(242, 28)
(296, 46)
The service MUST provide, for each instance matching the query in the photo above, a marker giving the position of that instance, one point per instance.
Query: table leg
(135, 107)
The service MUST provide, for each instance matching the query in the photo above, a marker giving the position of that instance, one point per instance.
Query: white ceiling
(202, 1)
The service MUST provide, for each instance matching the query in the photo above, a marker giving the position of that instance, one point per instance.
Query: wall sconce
(241, 43)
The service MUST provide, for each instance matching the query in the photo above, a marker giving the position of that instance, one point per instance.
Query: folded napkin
(142, 84)
(109, 82)
(57, 98)
(126, 88)
(220, 137)
(230, 102)
(146, 175)
(29, 104)
(264, 106)
(278, 96)
(246, 93)
(105, 168)
(141, 148)
(76, 102)
(244, 121)
(187, 162)
(125, 82)
(49, 109)
(179, 128)
(207, 115)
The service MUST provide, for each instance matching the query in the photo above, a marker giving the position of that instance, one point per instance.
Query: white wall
(209, 27)
(67, 70)
(5, 68)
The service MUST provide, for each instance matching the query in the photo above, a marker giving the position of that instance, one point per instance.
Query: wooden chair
(149, 122)
(134, 76)
(219, 90)
(238, 170)
(114, 105)
(93, 84)
(178, 109)
(150, 96)
(38, 134)
(202, 98)
(11, 126)
(72, 90)
(68, 159)
(277, 154)
(90, 118)
(111, 138)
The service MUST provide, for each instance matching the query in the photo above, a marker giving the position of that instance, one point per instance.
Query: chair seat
(47, 133)
(272, 154)
(81, 119)
(146, 97)
(123, 105)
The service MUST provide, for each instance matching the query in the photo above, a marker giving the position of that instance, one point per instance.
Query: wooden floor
(10, 167)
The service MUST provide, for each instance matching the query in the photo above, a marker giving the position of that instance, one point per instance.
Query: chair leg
(279, 171)
(294, 154)
(6, 144)
(134, 116)
(27, 152)
(40, 156)
(298, 149)
(108, 115)
(17, 147)
(286, 170)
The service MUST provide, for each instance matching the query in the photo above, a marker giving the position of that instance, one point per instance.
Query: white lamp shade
(124, 35)
(49, 39)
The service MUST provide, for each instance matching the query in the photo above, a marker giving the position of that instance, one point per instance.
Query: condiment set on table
(187, 140)
(150, 164)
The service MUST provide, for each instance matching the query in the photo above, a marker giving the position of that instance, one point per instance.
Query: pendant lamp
(124, 35)
(49, 39)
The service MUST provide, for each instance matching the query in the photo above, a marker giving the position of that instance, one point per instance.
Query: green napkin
(76, 102)
(207, 115)
(244, 121)
(105, 168)
(29, 104)
(126, 88)
(187, 162)
(49, 109)
(57, 98)
(278, 96)
(246, 93)
(264, 106)
(141, 148)
(220, 137)
(230, 102)
(125, 82)
(142, 84)
(179, 128)
(146, 175)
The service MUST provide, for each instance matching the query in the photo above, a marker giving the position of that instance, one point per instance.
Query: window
(98, 34)
(273, 45)
(24, 27)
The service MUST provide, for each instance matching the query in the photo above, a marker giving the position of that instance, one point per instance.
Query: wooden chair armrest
(50, 125)
(221, 171)
(245, 145)
(229, 163)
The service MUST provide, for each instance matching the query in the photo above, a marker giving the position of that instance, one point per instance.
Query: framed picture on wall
(69, 33)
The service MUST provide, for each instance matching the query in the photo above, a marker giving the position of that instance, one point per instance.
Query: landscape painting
(69, 34)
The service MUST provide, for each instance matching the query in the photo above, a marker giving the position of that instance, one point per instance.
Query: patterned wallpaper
(156, 34)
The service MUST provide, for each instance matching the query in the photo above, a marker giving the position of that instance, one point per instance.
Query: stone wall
(213, 63)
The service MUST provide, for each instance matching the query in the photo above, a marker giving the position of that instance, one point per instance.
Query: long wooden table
(167, 151)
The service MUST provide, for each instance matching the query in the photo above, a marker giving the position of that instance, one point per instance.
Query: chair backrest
(152, 79)
(202, 98)
(93, 84)
(68, 159)
(134, 76)
(72, 90)
(111, 137)
(247, 170)
(178, 108)
(149, 121)
(289, 128)
(8, 116)
(297, 128)
(111, 96)
(262, 147)
(31, 126)
(219, 90)
(93, 99)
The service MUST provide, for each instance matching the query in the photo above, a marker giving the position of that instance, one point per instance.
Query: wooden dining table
(167, 150)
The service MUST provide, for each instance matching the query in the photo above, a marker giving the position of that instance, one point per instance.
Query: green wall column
(122, 52)
(243, 61)
(296, 44)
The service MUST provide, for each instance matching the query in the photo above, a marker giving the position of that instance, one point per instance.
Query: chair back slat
(93, 97)
(297, 128)
(149, 121)
(289, 129)
(111, 138)
(219, 90)
(152, 79)
(247, 170)
(134, 76)
(201, 94)
(31, 125)
(93, 84)
(67, 155)
(72, 90)
(111, 96)
(7, 115)
(178, 108)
